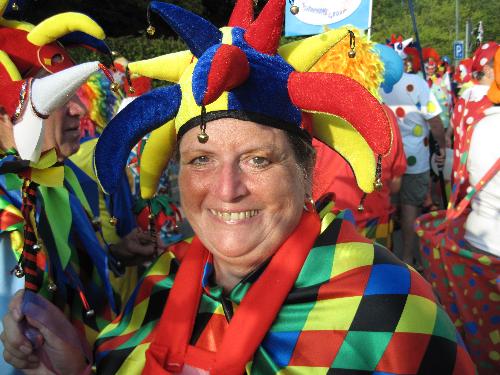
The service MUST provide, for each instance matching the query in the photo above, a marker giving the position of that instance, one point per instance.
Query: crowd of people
(240, 219)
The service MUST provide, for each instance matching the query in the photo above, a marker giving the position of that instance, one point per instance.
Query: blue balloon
(393, 66)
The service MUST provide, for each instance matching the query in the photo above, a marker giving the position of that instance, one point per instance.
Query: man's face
(62, 129)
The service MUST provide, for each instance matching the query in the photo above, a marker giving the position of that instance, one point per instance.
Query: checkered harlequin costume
(354, 309)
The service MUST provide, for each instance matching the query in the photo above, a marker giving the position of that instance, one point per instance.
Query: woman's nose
(230, 186)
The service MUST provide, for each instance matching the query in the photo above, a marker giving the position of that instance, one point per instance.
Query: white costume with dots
(482, 228)
(413, 104)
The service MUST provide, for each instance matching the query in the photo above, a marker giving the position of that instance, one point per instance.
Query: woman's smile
(234, 217)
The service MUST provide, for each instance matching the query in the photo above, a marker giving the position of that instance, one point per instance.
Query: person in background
(265, 286)
(481, 227)
(417, 112)
(471, 105)
(460, 244)
(74, 267)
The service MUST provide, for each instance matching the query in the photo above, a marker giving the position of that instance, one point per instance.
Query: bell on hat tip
(294, 9)
(113, 220)
(378, 185)
(52, 287)
(15, 7)
(351, 53)
(114, 53)
(151, 30)
(115, 87)
(131, 90)
(19, 272)
(89, 313)
(203, 137)
(361, 208)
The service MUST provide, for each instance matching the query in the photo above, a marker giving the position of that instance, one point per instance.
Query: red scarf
(170, 348)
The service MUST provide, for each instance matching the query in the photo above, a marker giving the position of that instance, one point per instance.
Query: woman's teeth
(234, 216)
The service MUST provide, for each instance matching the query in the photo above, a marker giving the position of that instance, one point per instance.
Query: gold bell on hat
(15, 7)
(151, 30)
(113, 220)
(203, 137)
(19, 272)
(361, 207)
(89, 313)
(378, 184)
(52, 286)
(115, 87)
(294, 9)
(352, 45)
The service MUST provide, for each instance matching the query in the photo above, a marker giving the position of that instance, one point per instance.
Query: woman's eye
(259, 162)
(200, 160)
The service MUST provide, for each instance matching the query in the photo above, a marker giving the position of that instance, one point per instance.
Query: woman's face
(242, 191)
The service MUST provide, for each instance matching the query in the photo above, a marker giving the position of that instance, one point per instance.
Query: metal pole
(417, 40)
(467, 36)
(457, 18)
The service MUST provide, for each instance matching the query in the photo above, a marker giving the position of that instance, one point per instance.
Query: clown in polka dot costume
(413, 104)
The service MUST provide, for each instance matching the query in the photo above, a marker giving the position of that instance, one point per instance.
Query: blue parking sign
(458, 49)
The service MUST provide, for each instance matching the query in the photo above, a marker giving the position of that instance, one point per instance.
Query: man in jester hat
(60, 225)
(266, 286)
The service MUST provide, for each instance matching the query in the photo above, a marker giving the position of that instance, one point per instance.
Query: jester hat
(29, 102)
(463, 72)
(32, 48)
(238, 72)
(399, 45)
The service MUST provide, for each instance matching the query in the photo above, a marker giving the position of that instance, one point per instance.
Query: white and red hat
(29, 102)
